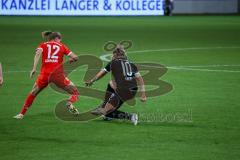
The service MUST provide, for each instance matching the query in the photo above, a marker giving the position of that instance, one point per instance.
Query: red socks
(74, 97)
(30, 98)
(28, 103)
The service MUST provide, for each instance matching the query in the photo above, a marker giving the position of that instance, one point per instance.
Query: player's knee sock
(74, 97)
(108, 94)
(28, 103)
(119, 115)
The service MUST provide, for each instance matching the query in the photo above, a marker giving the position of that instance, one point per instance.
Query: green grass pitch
(203, 56)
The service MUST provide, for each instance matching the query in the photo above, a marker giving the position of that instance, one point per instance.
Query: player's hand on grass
(71, 60)
(89, 83)
(143, 98)
(32, 73)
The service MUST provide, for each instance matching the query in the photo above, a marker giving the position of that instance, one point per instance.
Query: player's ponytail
(46, 34)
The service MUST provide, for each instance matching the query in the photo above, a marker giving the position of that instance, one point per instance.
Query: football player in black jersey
(122, 87)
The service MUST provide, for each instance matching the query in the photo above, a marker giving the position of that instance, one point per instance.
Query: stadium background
(202, 56)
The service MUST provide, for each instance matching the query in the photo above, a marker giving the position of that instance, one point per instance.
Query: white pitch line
(183, 49)
(190, 68)
(208, 66)
(200, 66)
(203, 70)
(16, 71)
(105, 57)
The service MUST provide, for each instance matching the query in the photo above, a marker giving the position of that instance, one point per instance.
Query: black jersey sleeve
(135, 70)
(107, 67)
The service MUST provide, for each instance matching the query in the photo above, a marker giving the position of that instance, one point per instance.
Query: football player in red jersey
(52, 52)
(1, 75)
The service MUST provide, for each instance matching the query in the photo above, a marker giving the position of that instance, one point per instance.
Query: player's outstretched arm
(35, 62)
(98, 76)
(1, 75)
(140, 82)
(73, 57)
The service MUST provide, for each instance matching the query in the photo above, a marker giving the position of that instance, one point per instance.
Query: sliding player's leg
(116, 114)
(110, 109)
(109, 106)
(108, 94)
(111, 87)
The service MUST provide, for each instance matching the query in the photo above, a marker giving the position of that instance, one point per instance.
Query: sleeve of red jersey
(40, 47)
(67, 50)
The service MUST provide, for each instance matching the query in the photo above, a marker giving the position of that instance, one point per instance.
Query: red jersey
(52, 56)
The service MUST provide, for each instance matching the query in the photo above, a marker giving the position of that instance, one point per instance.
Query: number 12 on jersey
(53, 51)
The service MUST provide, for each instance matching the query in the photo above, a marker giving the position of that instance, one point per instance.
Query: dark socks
(119, 115)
